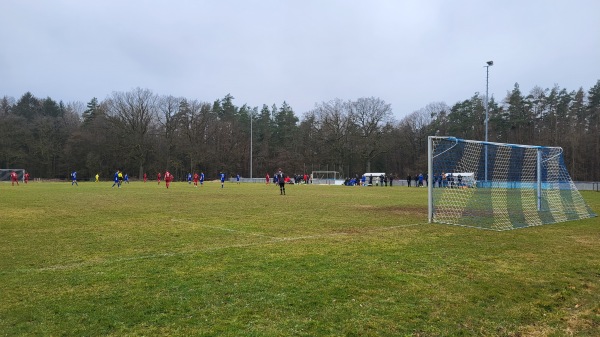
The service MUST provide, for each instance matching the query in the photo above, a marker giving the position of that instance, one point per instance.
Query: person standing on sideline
(408, 180)
(237, 178)
(281, 179)
(158, 178)
(391, 180)
(145, 177)
(97, 177)
(222, 179)
(74, 178)
(26, 177)
(14, 178)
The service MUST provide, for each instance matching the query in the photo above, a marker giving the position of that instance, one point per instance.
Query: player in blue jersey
(189, 178)
(222, 179)
(74, 178)
(237, 179)
(116, 180)
(201, 178)
(126, 178)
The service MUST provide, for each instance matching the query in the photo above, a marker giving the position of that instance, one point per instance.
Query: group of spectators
(295, 179)
(370, 180)
(442, 180)
(420, 180)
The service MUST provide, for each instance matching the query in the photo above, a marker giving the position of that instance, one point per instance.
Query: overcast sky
(408, 53)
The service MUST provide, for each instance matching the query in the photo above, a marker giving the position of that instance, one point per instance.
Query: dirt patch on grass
(586, 240)
(404, 210)
(397, 210)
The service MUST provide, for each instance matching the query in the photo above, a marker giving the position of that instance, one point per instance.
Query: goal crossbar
(500, 186)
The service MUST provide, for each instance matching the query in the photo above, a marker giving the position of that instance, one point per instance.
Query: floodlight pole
(487, 109)
(251, 118)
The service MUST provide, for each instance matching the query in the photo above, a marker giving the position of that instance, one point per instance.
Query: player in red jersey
(196, 178)
(14, 178)
(268, 178)
(26, 177)
(168, 178)
(158, 176)
(145, 177)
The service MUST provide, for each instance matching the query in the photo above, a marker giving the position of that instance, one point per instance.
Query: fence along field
(243, 260)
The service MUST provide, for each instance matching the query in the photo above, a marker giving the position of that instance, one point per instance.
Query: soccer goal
(508, 186)
(5, 174)
(326, 177)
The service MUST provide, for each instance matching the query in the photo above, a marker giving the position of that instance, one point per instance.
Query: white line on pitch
(273, 240)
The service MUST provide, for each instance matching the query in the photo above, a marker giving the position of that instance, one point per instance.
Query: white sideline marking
(273, 240)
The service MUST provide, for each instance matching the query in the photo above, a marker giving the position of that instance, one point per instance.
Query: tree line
(142, 132)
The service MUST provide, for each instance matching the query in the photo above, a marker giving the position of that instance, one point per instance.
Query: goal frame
(547, 178)
(5, 174)
(328, 180)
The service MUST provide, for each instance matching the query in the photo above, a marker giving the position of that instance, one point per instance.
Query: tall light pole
(251, 118)
(487, 110)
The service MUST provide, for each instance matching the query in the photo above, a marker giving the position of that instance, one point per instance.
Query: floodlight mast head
(490, 63)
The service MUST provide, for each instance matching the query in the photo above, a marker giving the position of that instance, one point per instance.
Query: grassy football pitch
(92, 260)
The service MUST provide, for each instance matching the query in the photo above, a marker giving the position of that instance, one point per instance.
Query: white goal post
(325, 177)
(5, 174)
(502, 186)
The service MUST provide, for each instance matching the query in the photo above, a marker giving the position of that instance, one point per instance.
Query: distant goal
(326, 177)
(5, 174)
(507, 186)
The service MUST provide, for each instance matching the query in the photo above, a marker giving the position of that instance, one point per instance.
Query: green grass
(244, 261)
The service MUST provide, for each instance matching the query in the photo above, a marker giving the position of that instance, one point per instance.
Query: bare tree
(170, 109)
(334, 125)
(370, 115)
(195, 121)
(415, 128)
(133, 112)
